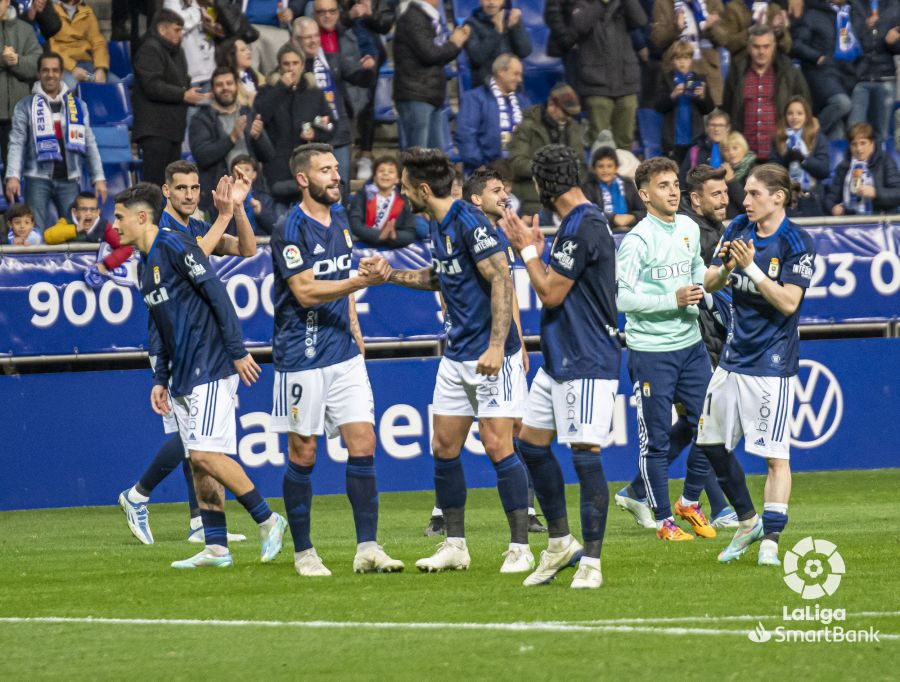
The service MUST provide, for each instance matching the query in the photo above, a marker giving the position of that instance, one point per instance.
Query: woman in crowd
(801, 147)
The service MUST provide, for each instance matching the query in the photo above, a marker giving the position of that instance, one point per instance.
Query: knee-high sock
(297, 489)
(191, 493)
(362, 491)
(255, 505)
(549, 486)
(731, 478)
(512, 484)
(775, 518)
(527, 473)
(169, 456)
(450, 487)
(679, 438)
(594, 500)
(215, 531)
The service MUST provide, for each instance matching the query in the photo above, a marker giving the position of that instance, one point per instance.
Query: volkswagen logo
(818, 405)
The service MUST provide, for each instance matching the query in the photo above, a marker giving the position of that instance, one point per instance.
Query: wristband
(754, 273)
(528, 253)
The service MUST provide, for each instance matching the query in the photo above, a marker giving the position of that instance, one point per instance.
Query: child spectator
(618, 199)
(259, 204)
(867, 182)
(739, 159)
(379, 215)
(800, 146)
(20, 221)
(683, 100)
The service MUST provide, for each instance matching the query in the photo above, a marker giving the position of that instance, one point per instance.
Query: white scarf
(858, 176)
(795, 170)
(437, 23)
(510, 114)
(325, 81)
(695, 13)
(71, 116)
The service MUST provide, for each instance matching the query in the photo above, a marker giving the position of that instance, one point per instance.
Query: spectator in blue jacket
(51, 145)
(800, 146)
(495, 31)
(489, 113)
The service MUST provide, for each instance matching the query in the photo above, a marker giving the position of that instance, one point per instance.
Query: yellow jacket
(79, 39)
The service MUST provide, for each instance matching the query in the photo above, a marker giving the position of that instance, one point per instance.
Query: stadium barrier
(46, 309)
(80, 438)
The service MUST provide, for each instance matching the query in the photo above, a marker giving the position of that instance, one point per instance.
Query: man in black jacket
(161, 95)
(294, 112)
(422, 47)
(222, 132)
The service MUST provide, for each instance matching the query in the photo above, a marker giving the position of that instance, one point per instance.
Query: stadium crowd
(807, 84)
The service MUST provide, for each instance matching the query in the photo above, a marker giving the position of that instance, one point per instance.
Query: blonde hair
(680, 48)
(737, 138)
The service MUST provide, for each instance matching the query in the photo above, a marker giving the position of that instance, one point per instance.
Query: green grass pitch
(665, 609)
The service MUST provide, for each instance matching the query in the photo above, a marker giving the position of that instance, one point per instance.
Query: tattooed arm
(495, 270)
(425, 279)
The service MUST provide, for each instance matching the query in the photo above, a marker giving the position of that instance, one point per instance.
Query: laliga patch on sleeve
(292, 257)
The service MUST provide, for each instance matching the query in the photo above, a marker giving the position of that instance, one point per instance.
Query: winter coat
(665, 32)
(668, 107)
(607, 63)
(736, 23)
(15, 81)
(477, 128)
(79, 38)
(210, 146)
(485, 44)
(558, 17)
(818, 164)
(160, 81)
(529, 136)
(877, 61)
(700, 154)
(887, 183)
(418, 61)
(788, 82)
(284, 111)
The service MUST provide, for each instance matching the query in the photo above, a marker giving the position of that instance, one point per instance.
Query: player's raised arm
(244, 244)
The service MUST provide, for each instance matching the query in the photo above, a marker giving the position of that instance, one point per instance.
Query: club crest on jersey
(348, 239)
(564, 256)
(448, 244)
(774, 267)
(156, 277)
(196, 269)
(646, 389)
(483, 239)
(687, 242)
(805, 267)
(292, 257)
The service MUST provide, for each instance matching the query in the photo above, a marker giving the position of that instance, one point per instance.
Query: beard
(320, 194)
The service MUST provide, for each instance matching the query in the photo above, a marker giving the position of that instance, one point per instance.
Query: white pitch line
(536, 626)
(717, 619)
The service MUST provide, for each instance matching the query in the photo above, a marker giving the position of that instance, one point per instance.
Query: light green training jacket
(654, 260)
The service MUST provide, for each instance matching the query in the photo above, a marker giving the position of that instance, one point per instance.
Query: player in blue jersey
(769, 262)
(574, 393)
(182, 191)
(195, 338)
(321, 384)
(485, 190)
(481, 373)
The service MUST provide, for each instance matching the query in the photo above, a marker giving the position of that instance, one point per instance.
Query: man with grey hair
(488, 114)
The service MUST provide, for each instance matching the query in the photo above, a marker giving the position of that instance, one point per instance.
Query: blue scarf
(74, 132)
(325, 83)
(613, 196)
(715, 156)
(847, 47)
(795, 170)
(858, 176)
(684, 119)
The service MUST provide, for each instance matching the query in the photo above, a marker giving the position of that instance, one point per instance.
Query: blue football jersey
(195, 335)
(458, 243)
(762, 341)
(578, 337)
(308, 338)
(196, 228)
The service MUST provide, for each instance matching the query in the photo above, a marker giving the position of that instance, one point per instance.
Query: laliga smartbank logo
(813, 569)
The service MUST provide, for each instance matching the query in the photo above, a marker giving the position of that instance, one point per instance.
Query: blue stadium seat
(462, 9)
(538, 56)
(120, 61)
(650, 128)
(114, 144)
(837, 151)
(107, 103)
(532, 13)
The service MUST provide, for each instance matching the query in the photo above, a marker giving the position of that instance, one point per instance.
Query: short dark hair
(83, 195)
(244, 159)
(699, 176)
(431, 167)
(303, 154)
(386, 159)
(167, 16)
(50, 55)
(604, 153)
(180, 166)
(18, 211)
(222, 71)
(225, 52)
(143, 193)
(478, 180)
(285, 49)
(651, 167)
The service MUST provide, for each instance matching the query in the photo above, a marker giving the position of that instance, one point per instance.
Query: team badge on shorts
(295, 413)
(773, 268)
(646, 389)
(156, 274)
(348, 239)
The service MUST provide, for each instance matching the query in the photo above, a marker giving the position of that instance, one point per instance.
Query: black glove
(794, 155)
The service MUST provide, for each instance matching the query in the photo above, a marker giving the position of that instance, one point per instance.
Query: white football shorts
(757, 409)
(579, 410)
(459, 391)
(206, 419)
(316, 401)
